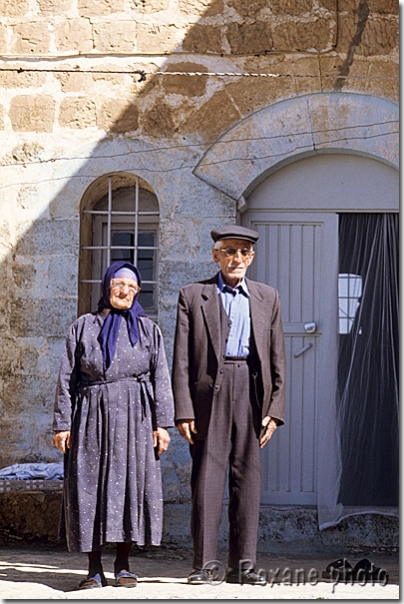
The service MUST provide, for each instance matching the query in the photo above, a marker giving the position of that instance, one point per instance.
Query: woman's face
(122, 292)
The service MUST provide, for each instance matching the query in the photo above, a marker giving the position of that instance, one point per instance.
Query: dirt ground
(45, 573)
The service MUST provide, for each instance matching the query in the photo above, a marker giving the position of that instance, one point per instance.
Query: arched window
(119, 221)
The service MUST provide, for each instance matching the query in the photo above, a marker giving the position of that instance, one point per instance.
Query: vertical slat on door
(295, 272)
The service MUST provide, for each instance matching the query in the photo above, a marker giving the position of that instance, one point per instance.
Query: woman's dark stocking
(94, 563)
(122, 557)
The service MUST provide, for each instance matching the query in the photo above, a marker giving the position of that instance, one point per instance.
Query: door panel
(297, 254)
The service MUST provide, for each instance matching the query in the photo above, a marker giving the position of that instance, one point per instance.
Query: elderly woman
(112, 409)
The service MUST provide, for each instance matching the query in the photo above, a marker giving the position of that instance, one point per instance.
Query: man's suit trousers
(232, 442)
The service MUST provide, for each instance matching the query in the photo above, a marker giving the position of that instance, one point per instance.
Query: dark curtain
(368, 363)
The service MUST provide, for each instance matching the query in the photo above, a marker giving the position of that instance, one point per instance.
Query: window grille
(121, 225)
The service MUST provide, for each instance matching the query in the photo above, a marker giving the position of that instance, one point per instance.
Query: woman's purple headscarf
(109, 332)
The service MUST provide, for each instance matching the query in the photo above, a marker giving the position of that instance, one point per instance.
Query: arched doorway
(297, 211)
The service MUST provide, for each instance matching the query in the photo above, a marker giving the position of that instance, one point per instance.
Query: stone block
(348, 6)
(378, 86)
(381, 7)
(56, 346)
(26, 437)
(158, 121)
(2, 111)
(54, 7)
(346, 31)
(34, 113)
(23, 393)
(3, 38)
(42, 317)
(366, 530)
(247, 9)
(66, 204)
(201, 8)
(158, 37)
(30, 38)
(34, 357)
(45, 278)
(249, 37)
(74, 35)
(26, 152)
(301, 67)
(24, 517)
(203, 38)
(48, 238)
(329, 5)
(174, 279)
(185, 85)
(297, 35)
(386, 7)
(149, 6)
(10, 362)
(114, 36)
(109, 78)
(329, 65)
(61, 278)
(77, 113)
(74, 82)
(12, 79)
(214, 117)
(11, 8)
(91, 8)
(292, 7)
(379, 38)
(118, 116)
(24, 275)
(251, 94)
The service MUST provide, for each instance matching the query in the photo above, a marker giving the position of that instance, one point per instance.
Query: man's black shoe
(200, 576)
(246, 577)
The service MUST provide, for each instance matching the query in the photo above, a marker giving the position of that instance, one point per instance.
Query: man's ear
(215, 254)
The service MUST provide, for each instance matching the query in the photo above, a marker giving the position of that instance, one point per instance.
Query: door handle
(310, 327)
(302, 350)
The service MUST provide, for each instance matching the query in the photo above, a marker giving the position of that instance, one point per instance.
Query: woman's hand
(61, 440)
(161, 440)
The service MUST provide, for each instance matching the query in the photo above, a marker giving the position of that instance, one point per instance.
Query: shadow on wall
(159, 134)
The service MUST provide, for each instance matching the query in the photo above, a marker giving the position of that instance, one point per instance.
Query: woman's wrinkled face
(122, 292)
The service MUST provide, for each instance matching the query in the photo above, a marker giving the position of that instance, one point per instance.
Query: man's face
(234, 258)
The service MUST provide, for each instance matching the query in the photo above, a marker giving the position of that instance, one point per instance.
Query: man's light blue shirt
(237, 306)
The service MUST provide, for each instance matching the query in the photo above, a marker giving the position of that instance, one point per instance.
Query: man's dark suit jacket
(199, 350)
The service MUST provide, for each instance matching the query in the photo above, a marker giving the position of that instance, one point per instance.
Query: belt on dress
(145, 395)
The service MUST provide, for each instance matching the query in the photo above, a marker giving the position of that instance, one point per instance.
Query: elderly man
(229, 391)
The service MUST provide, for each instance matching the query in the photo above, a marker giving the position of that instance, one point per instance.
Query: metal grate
(136, 246)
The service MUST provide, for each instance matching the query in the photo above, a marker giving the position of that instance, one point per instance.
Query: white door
(297, 254)
(295, 210)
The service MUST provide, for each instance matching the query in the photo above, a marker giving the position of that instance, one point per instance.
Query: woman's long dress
(112, 485)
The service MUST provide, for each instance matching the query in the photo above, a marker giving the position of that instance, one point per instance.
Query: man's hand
(61, 440)
(161, 440)
(270, 425)
(186, 428)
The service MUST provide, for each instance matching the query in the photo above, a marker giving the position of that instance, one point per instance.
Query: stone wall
(73, 108)
(34, 518)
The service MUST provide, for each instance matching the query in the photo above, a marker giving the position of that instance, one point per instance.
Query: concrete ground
(47, 573)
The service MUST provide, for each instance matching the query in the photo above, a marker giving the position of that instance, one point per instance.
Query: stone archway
(299, 127)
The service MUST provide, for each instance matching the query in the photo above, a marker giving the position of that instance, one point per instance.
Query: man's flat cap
(234, 232)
